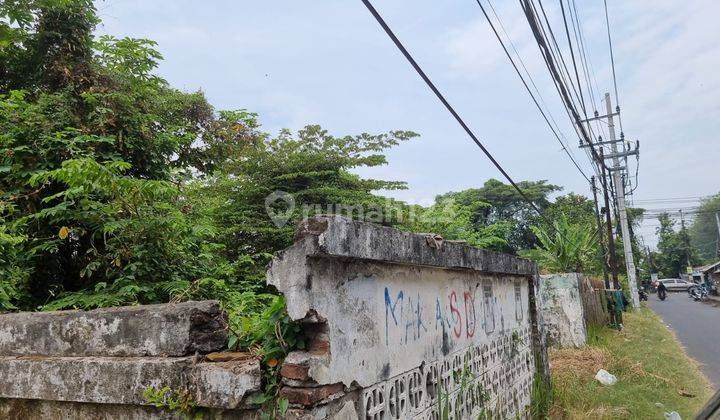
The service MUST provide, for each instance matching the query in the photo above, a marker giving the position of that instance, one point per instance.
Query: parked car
(676, 284)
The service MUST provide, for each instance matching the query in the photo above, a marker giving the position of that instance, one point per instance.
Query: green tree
(673, 248)
(116, 188)
(576, 208)
(68, 97)
(453, 221)
(704, 231)
(498, 202)
(311, 169)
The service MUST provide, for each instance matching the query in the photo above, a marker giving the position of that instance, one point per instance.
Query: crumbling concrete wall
(562, 310)
(404, 326)
(98, 364)
(397, 325)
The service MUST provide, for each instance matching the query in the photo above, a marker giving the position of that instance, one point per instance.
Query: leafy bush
(454, 221)
(117, 189)
(13, 272)
(565, 247)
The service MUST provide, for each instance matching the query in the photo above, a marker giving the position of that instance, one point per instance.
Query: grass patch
(651, 367)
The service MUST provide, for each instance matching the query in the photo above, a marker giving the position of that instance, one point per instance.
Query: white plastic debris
(605, 377)
(673, 415)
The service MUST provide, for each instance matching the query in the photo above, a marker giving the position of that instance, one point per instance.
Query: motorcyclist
(661, 290)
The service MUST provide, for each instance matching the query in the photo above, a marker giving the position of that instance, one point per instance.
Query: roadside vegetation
(654, 373)
(703, 229)
(118, 189)
(679, 243)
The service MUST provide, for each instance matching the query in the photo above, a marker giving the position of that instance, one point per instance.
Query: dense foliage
(704, 230)
(566, 247)
(499, 209)
(568, 237)
(117, 189)
(675, 253)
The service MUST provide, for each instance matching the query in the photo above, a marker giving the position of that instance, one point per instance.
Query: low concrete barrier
(147, 330)
(101, 362)
(562, 310)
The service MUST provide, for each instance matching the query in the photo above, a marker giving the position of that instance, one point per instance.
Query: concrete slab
(562, 310)
(52, 410)
(342, 237)
(149, 330)
(120, 380)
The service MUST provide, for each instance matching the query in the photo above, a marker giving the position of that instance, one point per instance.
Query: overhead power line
(556, 52)
(672, 209)
(676, 213)
(587, 69)
(670, 199)
(572, 56)
(522, 79)
(612, 58)
(556, 59)
(447, 105)
(572, 11)
(559, 80)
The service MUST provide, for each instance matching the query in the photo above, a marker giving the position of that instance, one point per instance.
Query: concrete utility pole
(616, 180)
(622, 210)
(608, 225)
(603, 254)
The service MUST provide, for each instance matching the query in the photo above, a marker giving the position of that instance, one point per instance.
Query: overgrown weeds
(650, 364)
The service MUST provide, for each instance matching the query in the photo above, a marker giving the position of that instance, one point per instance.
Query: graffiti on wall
(458, 312)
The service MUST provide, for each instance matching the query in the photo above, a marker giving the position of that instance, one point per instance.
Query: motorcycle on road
(699, 293)
(661, 291)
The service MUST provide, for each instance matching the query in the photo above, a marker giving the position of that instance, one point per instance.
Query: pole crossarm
(600, 117)
(622, 154)
(602, 143)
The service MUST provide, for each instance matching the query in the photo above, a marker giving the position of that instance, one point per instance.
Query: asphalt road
(697, 325)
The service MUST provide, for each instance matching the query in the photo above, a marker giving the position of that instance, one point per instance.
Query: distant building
(710, 272)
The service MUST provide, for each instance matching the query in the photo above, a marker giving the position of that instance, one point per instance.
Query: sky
(328, 62)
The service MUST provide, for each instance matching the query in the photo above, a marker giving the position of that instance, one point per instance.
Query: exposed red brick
(294, 371)
(228, 356)
(319, 345)
(309, 396)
